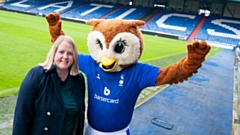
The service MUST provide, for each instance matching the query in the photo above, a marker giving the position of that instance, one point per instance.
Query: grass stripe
(162, 57)
(9, 91)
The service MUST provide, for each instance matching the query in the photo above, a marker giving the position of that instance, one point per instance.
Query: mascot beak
(108, 64)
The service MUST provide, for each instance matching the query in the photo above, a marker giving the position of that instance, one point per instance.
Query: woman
(51, 97)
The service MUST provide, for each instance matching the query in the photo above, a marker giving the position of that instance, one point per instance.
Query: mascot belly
(114, 75)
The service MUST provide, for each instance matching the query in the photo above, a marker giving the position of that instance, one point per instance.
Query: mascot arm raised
(54, 25)
(182, 70)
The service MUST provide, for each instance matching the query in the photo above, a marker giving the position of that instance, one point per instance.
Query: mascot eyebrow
(115, 78)
(99, 43)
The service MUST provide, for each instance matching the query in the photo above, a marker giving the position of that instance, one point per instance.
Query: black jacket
(40, 109)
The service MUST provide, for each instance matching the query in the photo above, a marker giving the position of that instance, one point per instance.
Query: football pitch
(25, 41)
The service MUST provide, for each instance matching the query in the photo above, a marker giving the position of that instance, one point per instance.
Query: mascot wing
(185, 68)
(55, 25)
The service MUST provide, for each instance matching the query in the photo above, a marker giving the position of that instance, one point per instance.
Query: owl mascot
(114, 75)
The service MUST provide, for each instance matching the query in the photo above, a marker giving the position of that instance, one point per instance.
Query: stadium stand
(90, 11)
(128, 12)
(177, 24)
(170, 18)
(23, 5)
(220, 30)
(58, 6)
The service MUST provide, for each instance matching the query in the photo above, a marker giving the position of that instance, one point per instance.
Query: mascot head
(115, 44)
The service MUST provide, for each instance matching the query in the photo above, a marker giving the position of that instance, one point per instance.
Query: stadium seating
(128, 12)
(177, 24)
(220, 30)
(58, 6)
(216, 30)
(90, 11)
(24, 5)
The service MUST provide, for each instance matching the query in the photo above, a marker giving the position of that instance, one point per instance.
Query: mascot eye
(99, 43)
(120, 46)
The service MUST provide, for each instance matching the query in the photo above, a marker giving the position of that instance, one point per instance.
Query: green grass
(25, 41)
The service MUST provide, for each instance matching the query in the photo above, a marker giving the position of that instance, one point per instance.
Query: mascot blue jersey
(112, 95)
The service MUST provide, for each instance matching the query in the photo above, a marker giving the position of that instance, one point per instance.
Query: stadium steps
(150, 14)
(197, 28)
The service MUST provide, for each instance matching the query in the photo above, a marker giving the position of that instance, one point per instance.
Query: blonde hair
(50, 57)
